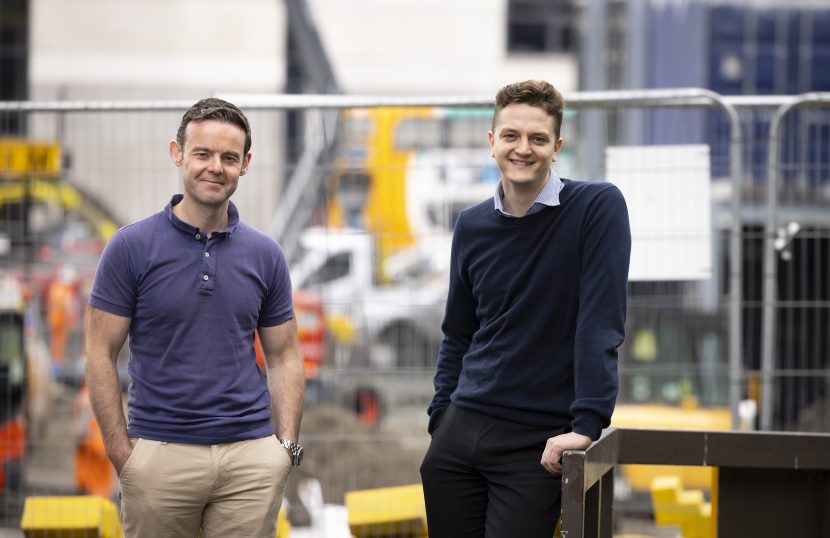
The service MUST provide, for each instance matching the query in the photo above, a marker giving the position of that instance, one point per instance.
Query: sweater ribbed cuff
(588, 424)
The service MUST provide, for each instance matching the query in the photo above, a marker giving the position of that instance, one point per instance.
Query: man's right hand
(555, 446)
(119, 458)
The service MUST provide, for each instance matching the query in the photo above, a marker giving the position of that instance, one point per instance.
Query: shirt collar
(233, 217)
(549, 195)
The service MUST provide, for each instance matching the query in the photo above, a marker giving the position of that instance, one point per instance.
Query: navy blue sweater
(536, 310)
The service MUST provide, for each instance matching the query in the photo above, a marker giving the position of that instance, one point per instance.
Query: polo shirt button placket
(208, 268)
(206, 286)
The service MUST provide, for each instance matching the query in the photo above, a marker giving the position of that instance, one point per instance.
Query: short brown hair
(213, 108)
(536, 93)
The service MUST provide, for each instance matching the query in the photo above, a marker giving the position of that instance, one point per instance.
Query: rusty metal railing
(769, 484)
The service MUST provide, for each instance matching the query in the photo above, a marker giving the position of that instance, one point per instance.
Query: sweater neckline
(530, 219)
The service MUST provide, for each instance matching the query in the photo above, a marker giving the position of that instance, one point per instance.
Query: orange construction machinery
(311, 330)
(13, 367)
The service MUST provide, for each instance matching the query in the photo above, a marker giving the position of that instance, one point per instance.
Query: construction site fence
(729, 302)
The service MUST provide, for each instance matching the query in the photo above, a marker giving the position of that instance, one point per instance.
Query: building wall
(154, 49)
(429, 47)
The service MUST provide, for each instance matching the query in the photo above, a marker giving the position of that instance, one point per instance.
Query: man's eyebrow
(206, 149)
(515, 130)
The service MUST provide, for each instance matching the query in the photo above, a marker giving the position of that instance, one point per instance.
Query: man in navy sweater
(535, 313)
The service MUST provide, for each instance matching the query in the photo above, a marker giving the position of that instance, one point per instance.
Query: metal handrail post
(735, 264)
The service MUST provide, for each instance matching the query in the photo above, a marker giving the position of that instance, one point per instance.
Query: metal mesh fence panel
(363, 197)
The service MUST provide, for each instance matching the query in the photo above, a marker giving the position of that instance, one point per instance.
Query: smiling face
(524, 143)
(212, 160)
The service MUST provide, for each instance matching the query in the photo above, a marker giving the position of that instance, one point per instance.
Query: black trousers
(482, 478)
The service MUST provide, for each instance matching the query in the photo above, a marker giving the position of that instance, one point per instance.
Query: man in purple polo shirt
(209, 441)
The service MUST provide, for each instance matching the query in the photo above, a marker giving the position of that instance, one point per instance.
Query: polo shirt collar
(233, 217)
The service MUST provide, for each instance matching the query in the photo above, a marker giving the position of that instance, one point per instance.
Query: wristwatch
(295, 449)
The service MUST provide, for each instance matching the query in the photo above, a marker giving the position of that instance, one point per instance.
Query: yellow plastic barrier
(684, 508)
(396, 511)
(70, 517)
(283, 525)
(87, 517)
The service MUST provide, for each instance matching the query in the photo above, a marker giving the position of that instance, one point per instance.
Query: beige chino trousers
(177, 490)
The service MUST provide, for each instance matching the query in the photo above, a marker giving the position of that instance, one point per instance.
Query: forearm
(458, 332)
(447, 371)
(105, 399)
(286, 383)
(105, 335)
(600, 324)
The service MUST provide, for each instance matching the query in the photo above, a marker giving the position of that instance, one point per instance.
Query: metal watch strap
(295, 449)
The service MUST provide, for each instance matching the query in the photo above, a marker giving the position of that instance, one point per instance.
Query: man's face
(212, 161)
(524, 144)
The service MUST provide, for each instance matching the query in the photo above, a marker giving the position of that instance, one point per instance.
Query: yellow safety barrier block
(70, 517)
(88, 517)
(396, 511)
(684, 508)
(283, 525)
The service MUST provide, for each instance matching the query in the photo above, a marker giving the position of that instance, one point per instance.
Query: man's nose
(523, 145)
(215, 163)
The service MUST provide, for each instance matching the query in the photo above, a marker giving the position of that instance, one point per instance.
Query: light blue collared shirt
(549, 196)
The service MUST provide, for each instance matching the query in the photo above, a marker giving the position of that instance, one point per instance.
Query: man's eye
(509, 136)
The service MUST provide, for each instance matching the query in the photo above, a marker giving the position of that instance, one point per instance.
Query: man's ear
(246, 162)
(491, 140)
(176, 154)
(557, 148)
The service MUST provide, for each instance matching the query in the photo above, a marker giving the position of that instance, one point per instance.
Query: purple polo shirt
(194, 304)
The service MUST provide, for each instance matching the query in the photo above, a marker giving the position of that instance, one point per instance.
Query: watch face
(298, 456)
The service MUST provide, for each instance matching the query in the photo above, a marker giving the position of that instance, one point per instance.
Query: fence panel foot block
(70, 517)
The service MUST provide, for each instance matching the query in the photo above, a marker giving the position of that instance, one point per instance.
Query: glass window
(668, 358)
(469, 132)
(421, 133)
(335, 267)
(541, 26)
(354, 135)
(11, 350)
(466, 129)
(14, 59)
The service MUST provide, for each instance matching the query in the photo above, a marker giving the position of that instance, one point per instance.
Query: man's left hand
(552, 456)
